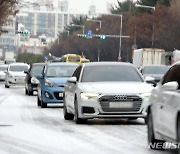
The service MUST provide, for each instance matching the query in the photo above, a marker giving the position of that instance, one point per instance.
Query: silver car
(164, 111)
(105, 90)
(3, 68)
(15, 74)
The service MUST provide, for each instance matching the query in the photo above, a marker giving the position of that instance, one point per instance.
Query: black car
(31, 82)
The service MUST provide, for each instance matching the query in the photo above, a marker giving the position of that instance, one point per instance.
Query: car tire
(152, 142)
(30, 93)
(76, 116)
(67, 116)
(38, 101)
(26, 91)
(43, 105)
(6, 86)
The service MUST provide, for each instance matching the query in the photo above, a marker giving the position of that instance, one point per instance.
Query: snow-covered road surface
(28, 129)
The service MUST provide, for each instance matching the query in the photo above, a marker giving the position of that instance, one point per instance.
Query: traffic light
(23, 32)
(102, 37)
(82, 35)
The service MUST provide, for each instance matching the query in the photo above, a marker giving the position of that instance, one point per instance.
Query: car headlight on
(87, 96)
(34, 80)
(49, 83)
(145, 95)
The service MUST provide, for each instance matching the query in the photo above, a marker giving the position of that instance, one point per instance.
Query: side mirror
(26, 72)
(40, 76)
(72, 80)
(150, 80)
(171, 86)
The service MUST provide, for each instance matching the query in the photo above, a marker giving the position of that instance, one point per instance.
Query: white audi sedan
(105, 90)
(15, 74)
(164, 111)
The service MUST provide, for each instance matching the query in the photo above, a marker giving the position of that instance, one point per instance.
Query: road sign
(89, 33)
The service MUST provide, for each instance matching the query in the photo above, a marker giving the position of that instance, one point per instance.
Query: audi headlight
(87, 96)
(10, 76)
(145, 95)
(34, 80)
(49, 83)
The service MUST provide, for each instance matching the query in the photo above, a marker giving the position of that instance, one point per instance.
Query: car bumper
(95, 109)
(2, 77)
(16, 80)
(33, 87)
(52, 95)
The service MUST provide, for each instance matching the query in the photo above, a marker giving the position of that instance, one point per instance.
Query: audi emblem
(120, 97)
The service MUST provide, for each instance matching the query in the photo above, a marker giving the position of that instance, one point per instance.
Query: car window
(18, 68)
(77, 72)
(60, 71)
(155, 69)
(173, 75)
(110, 73)
(3, 68)
(37, 69)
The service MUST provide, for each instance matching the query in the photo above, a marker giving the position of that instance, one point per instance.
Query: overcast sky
(83, 5)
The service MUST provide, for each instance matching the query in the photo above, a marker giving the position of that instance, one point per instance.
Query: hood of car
(115, 87)
(17, 73)
(59, 80)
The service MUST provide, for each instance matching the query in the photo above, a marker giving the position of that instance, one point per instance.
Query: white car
(3, 68)
(105, 90)
(164, 111)
(15, 74)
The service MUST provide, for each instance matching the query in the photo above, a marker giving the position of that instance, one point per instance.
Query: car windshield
(155, 69)
(111, 74)
(37, 69)
(18, 68)
(3, 68)
(60, 71)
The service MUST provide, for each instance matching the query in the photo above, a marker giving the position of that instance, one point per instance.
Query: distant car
(164, 111)
(31, 82)
(154, 71)
(105, 90)
(15, 74)
(52, 81)
(3, 68)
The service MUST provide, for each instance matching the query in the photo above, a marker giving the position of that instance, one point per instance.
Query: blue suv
(52, 81)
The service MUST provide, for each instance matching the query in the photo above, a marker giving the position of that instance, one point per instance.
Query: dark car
(154, 71)
(31, 82)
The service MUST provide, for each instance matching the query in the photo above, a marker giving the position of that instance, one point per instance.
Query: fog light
(46, 94)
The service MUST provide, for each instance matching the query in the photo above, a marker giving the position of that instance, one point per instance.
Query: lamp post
(96, 21)
(78, 26)
(120, 33)
(148, 7)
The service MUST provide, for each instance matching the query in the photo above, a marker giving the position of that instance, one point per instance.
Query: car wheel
(43, 105)
(30, 93)
(178, 132)
(6, 86)
(26, 91)
(77, 119)
(152, 142)
(67, 116)
(38, 101)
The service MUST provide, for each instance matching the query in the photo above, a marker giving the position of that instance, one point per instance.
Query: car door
(167, 106)
(70, 89)
(171, 104)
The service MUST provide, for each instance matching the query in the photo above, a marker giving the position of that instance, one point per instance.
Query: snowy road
(28, 129)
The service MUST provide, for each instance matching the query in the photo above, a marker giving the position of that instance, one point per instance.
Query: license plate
(60, 94)
(120, 105)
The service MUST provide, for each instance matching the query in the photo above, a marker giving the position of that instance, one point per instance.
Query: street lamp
(95, 21)
(120, 34)
(148, 7)
(78, 26)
